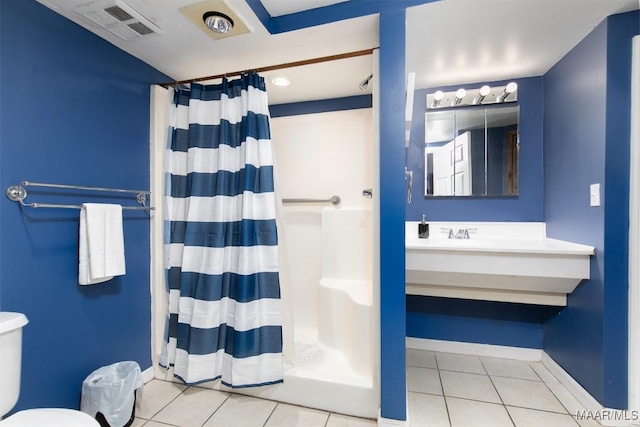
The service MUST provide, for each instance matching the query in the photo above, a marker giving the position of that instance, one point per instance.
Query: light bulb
(281, 81)
(508, 90)
(218, 22)
(484, 91)
(437, 97)
(460, 93)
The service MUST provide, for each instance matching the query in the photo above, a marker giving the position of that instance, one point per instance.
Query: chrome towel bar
(335, 200)
(17, 193)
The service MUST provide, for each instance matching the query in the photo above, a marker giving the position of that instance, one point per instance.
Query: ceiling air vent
(118, 13)
(119, 18)
(140, 28)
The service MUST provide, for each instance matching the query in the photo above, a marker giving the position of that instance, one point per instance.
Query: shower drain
(308, 354)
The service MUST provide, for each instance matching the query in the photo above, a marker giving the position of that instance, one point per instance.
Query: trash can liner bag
(111, 391)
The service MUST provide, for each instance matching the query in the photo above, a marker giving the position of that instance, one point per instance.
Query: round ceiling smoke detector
(218, 22)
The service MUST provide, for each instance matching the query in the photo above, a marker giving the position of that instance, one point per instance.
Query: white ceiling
(285, 7)
(448, 42)
(462, 41)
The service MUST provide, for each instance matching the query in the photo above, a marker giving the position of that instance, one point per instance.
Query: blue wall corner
(75, 110)
(620, 31)
(574, 136)
(587, 107)
(392, 216)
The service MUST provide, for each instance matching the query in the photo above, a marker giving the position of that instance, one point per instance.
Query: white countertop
(483, 239)
(544, 246)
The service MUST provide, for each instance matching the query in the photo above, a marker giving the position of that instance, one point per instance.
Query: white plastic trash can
(109, 393)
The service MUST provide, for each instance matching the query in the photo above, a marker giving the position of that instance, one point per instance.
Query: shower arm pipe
(275, 67)
(335, 200)
(17, 193)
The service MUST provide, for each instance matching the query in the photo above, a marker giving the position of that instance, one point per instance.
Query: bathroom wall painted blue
(575, 132)
(393, 383)
(481, 322)
(75, 110)
(528, 206)
(587, 128)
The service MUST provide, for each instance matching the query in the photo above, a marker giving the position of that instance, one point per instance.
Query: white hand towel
(101, 252)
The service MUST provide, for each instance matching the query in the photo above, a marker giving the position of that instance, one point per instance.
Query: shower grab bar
(17, 193)
(335, 200)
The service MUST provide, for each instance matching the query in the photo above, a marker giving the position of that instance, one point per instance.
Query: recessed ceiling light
(281, 81)
(218, 22)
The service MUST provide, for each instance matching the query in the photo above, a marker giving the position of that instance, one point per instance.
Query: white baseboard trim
(605, 416)
(583, 396)
(148, 374)
(489, 350)
(386, 422)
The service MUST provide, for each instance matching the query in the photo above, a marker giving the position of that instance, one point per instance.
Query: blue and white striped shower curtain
(220, 237)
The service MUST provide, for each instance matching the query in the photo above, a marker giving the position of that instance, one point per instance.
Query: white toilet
(11, 325)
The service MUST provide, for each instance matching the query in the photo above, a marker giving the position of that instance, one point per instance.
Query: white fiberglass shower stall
(328, 281)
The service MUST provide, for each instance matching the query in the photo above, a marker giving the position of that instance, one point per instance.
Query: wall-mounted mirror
(471, 152)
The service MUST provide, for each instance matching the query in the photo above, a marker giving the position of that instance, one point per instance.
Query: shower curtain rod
(277, 67)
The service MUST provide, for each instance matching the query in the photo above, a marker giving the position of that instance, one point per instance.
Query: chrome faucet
(462, 233)
(450, 230)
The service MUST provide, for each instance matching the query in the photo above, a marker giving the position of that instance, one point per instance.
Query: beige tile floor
(447, 390)
(452, 390)
(170, 404)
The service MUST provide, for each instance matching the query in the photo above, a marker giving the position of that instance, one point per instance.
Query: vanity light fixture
(460, 94)
(470, 97)
(508, 90)
(218, 22)
(484, 91)
(437, 97)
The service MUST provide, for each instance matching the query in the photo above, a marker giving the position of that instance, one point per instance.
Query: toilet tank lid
(10, 321)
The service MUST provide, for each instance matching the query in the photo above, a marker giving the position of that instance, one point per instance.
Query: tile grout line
(571, 414)
(171, 401)
(159, 422)
(497, 392)
(554, 395)
(494, 403)
(145, 421)
(327, 421)
(218, 408)
(271, 414)
(444, 397)
(491, 378)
